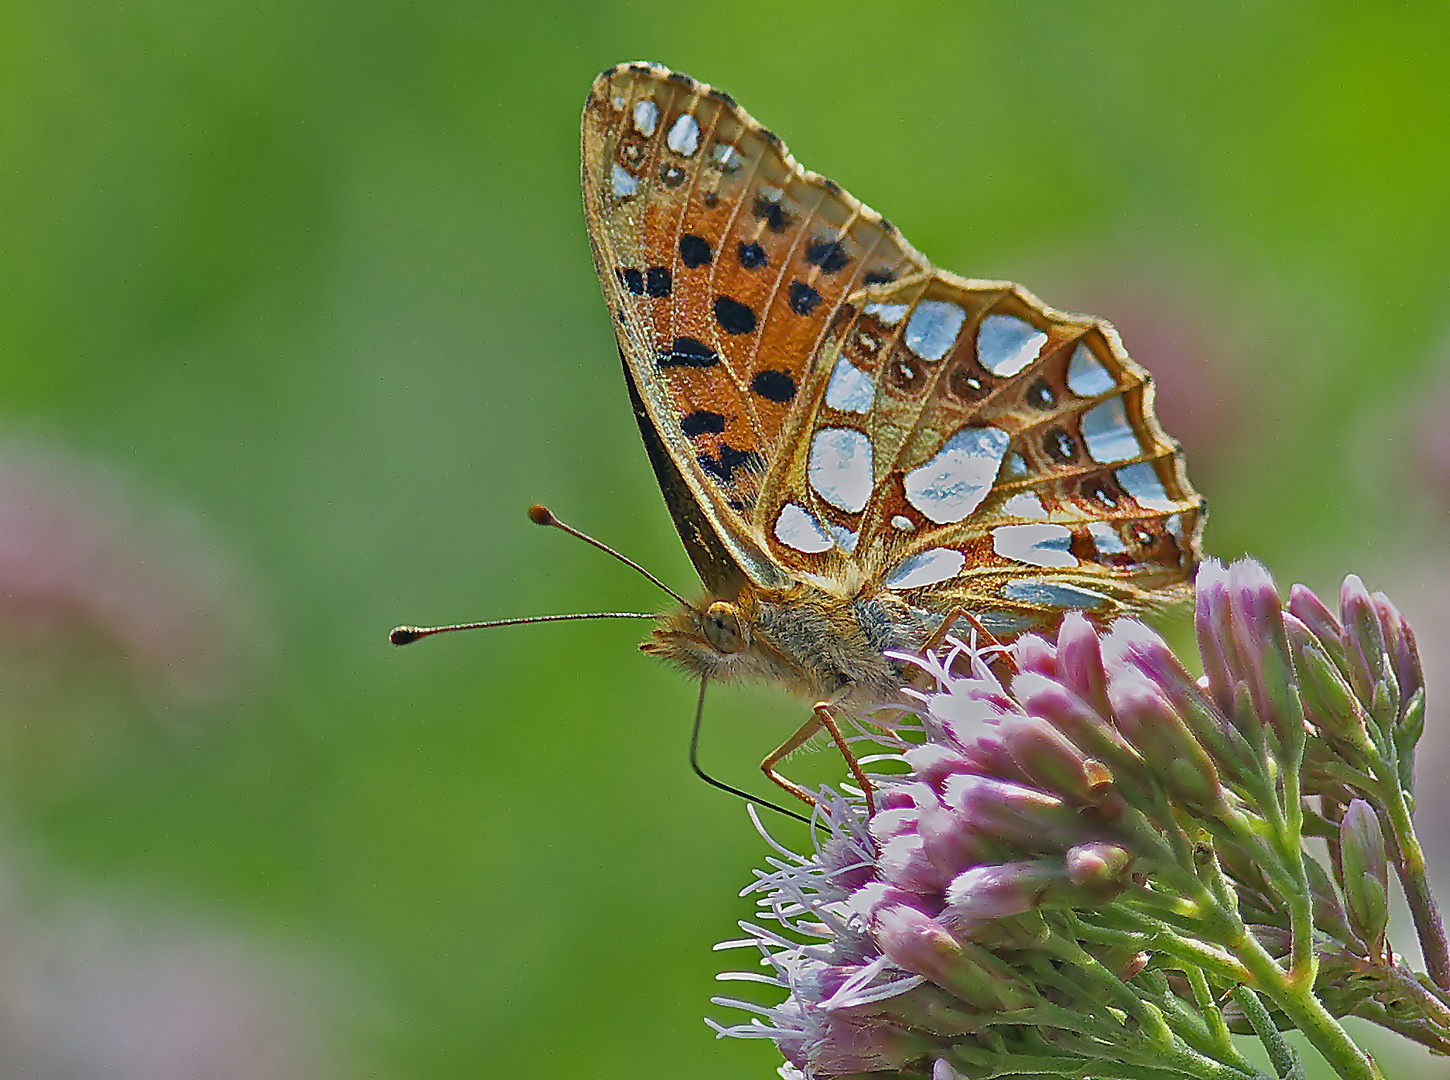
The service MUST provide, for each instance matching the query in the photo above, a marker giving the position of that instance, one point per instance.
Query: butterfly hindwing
(970, 447)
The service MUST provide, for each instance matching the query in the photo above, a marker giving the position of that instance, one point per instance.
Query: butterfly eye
(722, 627)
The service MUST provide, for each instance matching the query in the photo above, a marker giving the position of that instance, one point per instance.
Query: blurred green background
(297, 316)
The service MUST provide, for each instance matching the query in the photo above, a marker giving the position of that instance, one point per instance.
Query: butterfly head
(713, 639)
(747, 637)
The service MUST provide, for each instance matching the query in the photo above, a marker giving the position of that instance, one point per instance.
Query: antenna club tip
(540, 515)
(404, 635)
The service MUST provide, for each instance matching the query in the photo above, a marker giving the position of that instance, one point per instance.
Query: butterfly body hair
(821, 646)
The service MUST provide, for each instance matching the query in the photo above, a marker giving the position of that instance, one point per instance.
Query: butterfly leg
(820, 718)
(985, 639)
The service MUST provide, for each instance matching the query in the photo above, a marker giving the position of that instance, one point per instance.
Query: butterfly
(856, 447)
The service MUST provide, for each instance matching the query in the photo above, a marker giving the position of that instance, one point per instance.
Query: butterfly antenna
(542, 515)
(703, 775)
(406, 635)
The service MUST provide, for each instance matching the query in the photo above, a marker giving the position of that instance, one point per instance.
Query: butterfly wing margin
(724, 263)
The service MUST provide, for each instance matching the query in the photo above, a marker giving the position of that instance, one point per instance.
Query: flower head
(1076, 860)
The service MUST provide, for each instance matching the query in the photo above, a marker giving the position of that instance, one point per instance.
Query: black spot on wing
(1101, 493)
(694, 251)
(803, 298)
(773, 214)
(1040, 395)
(773, 385)
(733, 316)
(632, 280)
(702, 422)
(965, 385)
(1059, 446)
(724, 465)
(829, 255)
(657, 281)
(688, 352)
(878, 277)
(752, 255)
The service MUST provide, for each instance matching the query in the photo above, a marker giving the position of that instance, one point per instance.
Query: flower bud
(865, 900)
(885, 824)
(948, 843)
(1306, 606)
(1080, 660)
(942, 1070)
(1047, 758)
(982, 894)
(1262, 648)
(922, 945)
(1403, 652)
(962, 715)
(1365, 872)
(1014, 816)
(1177, 759)
(845, 861)
(852, 1046)
(1327, 696)
(1364, 641)
(1328, 913)
(1099, 867)
(1212, 619)
(933, 763)
(1130, 643)
(904, 863)
(1033, 653)
(894, 798)
(1077, 721)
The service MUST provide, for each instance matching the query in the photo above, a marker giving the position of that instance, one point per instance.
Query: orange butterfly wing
(724, 264)
(820, 403)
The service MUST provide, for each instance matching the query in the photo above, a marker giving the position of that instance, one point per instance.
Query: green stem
(1304, 1010)
(1281, 1054)
(1153, 1022)
(1150, 1020)
(1303, 960)
(1167, 940)
(1189, 1025)
(1410, 867)
(1079, 1067)
(1417, 1031)
(1211, 1013)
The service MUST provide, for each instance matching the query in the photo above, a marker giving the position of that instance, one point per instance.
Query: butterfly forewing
(725, 264)
(823, 405)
